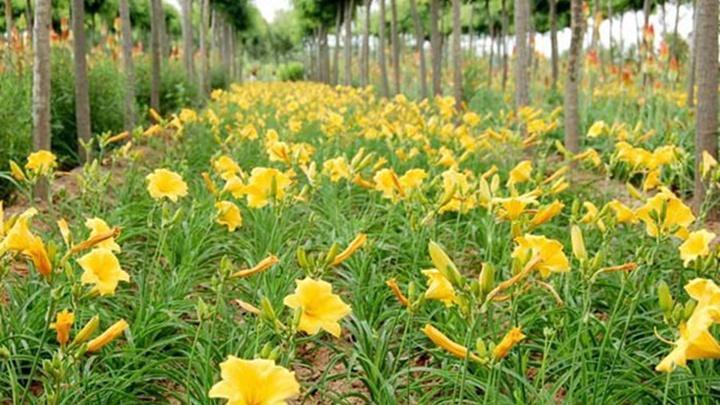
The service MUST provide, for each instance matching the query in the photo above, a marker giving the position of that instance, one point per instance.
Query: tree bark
(8, 17)
(30, 21)
(365, 52)
(384, 86)
(572, 118)
(419, 45)
(457, 56)
(522, 17)
(82, 97)
(553, 42)
(395, 45)
(204, 60)
(435, 45)
(492, 33)
(129, 68)
(164, 38)
(187, 39)
(347, 46)
(693, 58)
(706, 124)
(336, 50)
(504, 27)
(156, 49)
(41, 83)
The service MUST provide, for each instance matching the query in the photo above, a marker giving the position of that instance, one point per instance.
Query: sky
(268, 8)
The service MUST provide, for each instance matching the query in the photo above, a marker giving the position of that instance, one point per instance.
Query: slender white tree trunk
(522, 18)
(82, 97)
(129, 68)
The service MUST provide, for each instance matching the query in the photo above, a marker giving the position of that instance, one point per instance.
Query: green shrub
(291, 72)
(175, 90)
(15, 121)
(219, 78)
(106, 93)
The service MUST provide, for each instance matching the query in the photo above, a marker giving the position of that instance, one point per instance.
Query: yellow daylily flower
(264, 185)
(696, 245)
(164, 183)
(226, 167)
(669, 210)
(20, 239)
(439, 287)
(99, 227)
(550, 252)
(228, 214)
(337, 169)
(41, 162)
(102, 269)
(520, 173)
(254, 382)
(320, 308)
(623, 214)
(695, 340)
(708, 163)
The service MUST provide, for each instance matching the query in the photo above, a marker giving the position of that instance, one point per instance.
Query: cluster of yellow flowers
(421, 157)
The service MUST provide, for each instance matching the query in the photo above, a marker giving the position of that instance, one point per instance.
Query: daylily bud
(578, 243)
(664, 297)
(87, 330)
(487, 278)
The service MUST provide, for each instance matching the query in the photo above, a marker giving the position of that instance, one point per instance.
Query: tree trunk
(522, 18)
(395, 45)
(323, 52)
(187, 39)
(471, 30)
(435, 46)
(706, 124)
(693, 58)
(384, 86)
(8, 18)
(611, 43)
(30, 22)
(553, 42)
(336, 49)
(129, 68)
(156, 49)
(457, 56)
(164, 39)
(419, 44)
(204, 60)
(82, 97)
(41, 83)
(504, 27)
(347, 46)
(365, 52)
(492, 33)
(572, 118)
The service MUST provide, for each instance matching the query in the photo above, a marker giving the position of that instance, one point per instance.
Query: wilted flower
(512, 338)
(63, 322)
